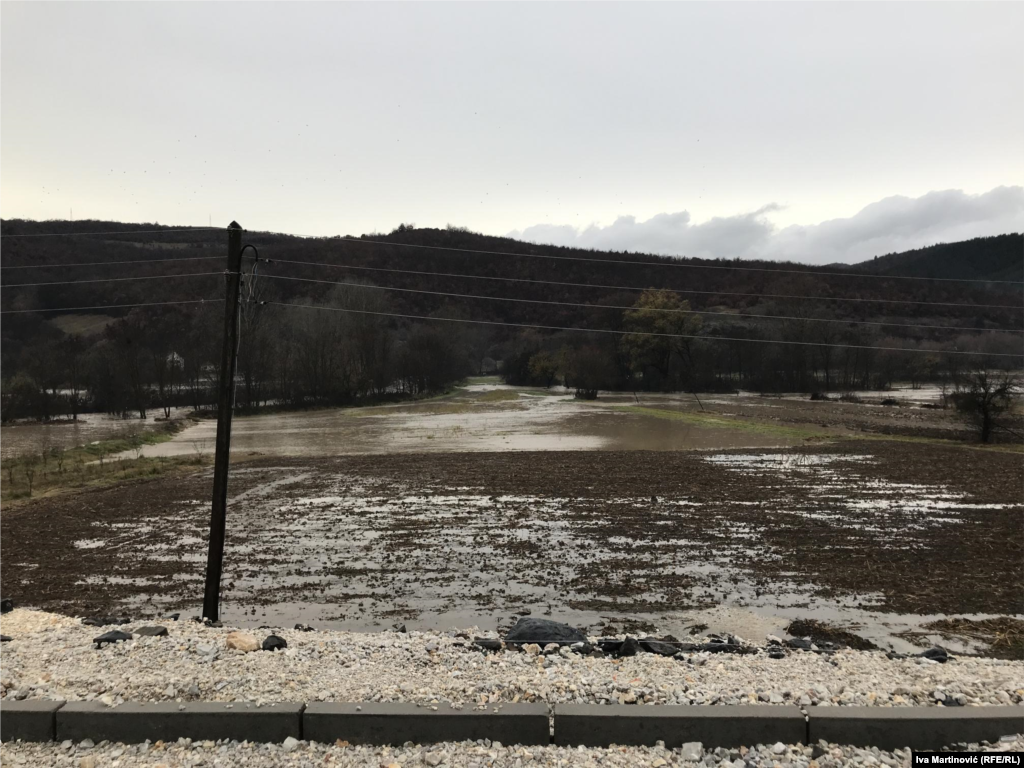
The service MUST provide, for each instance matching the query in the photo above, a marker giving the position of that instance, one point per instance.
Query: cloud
(892, 224)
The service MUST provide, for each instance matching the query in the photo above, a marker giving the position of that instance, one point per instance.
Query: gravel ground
(52, 656)
(469, 754)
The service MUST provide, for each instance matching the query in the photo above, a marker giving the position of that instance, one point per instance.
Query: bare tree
(984, 397)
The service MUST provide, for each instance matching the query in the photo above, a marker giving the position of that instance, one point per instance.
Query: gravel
(468, 754)
(54, 657)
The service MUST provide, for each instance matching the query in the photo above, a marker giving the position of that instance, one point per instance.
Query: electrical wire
(109, 306)
(634, 288)
(641, 333)
(114, 279)
(110, 263)
(629, 308)
(132, 232)
(652, 263)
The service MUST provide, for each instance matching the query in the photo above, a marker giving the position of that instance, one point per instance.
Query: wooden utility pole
(225, 405)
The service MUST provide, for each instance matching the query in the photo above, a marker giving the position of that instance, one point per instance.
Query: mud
(876, 537)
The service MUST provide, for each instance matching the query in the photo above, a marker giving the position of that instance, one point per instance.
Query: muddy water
(468, 422)
(20, 439)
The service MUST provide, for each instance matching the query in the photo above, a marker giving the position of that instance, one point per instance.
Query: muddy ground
(613, 540)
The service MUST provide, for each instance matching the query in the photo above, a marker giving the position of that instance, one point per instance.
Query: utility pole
(225, 405)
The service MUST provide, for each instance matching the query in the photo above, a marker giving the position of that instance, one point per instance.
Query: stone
(240, 641)
(290, 744)
(691, 751)
(629, 647)
(776, 654)
(651, 645)
(4, 639)
(307, 628)
(103, 621)
(6, 605)
(779, 748)
(274, 643)
(433, 758)
(487, 644)
(87, 762)
(800, 643)
(154, 631)
(543, 632)
(114, 636)
(935, 654)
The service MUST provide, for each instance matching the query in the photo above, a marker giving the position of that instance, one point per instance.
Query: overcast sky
(819, 132)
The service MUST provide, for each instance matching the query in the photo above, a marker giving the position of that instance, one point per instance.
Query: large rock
(274, 643)
(240, 641)
(115, 636)
(154, 631)
(543, 631)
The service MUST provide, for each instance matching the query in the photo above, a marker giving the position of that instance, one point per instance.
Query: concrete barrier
(134, 722)
(28, 720)
(600, 725)
(915, 727)
(397, 723)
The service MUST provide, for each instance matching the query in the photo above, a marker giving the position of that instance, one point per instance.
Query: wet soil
(599, 538)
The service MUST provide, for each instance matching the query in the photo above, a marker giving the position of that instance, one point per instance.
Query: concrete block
(600, 725)
(31, 720)
(398, 722)
(915, 727)
(134, 722)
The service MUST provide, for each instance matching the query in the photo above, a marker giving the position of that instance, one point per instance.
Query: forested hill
(731, 285)
(989, 258)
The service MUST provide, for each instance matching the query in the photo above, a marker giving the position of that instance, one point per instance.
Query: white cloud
(893, 224)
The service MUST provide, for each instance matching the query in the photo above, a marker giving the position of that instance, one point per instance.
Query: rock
(114, 636)
(6, 605)
(241, 641)
(433, 758)
(800, 643)
(487, 644)
(290, 744)
(691, 751)
(154, 631)
(307, 628)
(274, 643)
(779, 748)
(935, 654)
(651, 645)
(103, 621)
(629, 647)
(174, 616)
(4, 639)
(87, 762)
(542, 632)
(776, 654)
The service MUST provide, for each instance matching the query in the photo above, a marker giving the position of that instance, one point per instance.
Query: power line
(131, 232)
(108, 306)
(656, 263)
(113, 279)
(640, 333)
(633, 288)
(110, 263)
(629, 308)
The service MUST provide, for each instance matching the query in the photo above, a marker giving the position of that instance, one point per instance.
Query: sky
(816, 132)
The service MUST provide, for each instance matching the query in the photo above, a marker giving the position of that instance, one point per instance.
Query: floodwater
(359, 552)
(33, 437)
(528, 421)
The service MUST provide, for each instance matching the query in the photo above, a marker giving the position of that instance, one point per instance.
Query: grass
(719, 422)
(58, 470)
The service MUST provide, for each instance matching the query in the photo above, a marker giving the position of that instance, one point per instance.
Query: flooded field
(493, 417)
(877, 536)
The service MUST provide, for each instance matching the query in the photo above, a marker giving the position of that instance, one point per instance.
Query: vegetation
(158, 357)
(58, 470)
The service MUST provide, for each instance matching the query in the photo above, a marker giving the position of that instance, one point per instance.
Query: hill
(983, 258)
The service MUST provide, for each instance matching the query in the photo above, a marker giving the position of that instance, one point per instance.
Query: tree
(666, 316)
(983, 397)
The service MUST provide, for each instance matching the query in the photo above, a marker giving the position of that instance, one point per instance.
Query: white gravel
(53, 657)
(464, 754)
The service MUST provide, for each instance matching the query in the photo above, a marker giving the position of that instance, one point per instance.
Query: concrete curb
(134, 722)
(397, 723)
(595, 725)
(601, 725)
(914, 727)
(28, 720)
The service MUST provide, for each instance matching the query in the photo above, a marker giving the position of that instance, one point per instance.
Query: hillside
(983, 258)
